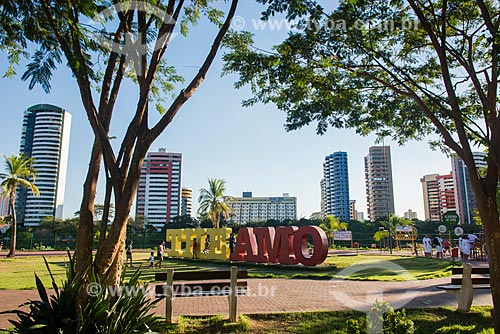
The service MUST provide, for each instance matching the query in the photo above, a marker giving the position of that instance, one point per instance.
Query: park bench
(462, 287)
(201, 283)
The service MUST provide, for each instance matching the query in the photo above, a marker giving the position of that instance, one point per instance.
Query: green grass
(433, 320)
(17, 274)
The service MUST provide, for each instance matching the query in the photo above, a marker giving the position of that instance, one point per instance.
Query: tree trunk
(12, 250)
(105, 213)
(84, 239)
(109, 257)
(489, 215)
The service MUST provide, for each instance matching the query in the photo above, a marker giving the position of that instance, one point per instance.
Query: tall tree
(213, 202)
(404, 69)
(127, 40)
(19, 172)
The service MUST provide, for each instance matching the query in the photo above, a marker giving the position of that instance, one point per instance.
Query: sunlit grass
(17, 274)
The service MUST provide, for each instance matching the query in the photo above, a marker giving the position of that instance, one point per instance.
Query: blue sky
(247, 147)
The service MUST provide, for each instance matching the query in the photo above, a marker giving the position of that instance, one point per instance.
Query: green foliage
(330, 224)
(394, 322)
(104, 313)
(214, 204)
(399, 69)
(182, 222)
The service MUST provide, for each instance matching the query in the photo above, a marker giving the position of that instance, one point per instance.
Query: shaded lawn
(17, 274)
(433, 320)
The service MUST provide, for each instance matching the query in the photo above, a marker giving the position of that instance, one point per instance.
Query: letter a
(246, 246)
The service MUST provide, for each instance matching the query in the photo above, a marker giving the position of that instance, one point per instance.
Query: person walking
(427, 246)
(161, 250)
(232, 242)
(195, 249)
(129, 253)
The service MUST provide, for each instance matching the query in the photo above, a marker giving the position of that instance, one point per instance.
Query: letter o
(320, 245)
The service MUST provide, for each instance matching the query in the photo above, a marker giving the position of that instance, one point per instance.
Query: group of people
(161, 251)
(466, 245)
(443, 247)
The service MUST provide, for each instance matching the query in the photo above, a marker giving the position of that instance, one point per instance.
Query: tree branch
(195, 83)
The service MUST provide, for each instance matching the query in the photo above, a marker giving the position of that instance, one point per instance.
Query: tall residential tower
(465, 199)
(45, 138)
(379, 188)
(186, 201)
(336, 188)
(159, 193)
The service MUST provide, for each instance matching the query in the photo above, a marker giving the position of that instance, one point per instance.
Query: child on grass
(152, 260)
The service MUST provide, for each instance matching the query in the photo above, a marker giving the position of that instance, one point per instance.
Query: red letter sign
(320, 245)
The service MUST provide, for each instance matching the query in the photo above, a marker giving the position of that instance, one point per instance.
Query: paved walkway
(293, 295)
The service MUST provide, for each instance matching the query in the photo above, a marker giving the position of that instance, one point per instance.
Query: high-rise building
(352, 210)
(465, 199)
(249, 209)
(410, 214)
(336, 175)
(159, 192)
(186, 201)
(45, 138)
(446, 193)
(430, 190)
(379, 188)
(439, 196)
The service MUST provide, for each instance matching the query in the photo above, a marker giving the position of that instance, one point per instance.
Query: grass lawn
(18, 273)
(427, 321)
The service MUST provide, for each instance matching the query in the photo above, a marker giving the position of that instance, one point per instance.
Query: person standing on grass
(161, 249)
(129, 252)
(461, 247)
(447, 247)
(427, 246)
(195, 249)
(466, 245)
(439, 247)
(152, 260)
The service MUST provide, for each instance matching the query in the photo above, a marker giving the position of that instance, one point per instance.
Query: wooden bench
(209, 283)
(462, 287)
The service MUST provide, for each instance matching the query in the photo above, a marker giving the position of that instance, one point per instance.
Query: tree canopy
(404, 69)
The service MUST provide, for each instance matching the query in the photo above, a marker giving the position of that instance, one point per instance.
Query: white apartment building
(45, 138)
(186, 201)
(249, 209)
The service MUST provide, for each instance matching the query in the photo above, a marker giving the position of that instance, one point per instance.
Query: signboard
(442, 229)
(458, 231)
(342, 235)
(404, 229)
(451, 217)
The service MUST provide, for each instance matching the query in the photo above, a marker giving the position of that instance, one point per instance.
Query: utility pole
(386, 168)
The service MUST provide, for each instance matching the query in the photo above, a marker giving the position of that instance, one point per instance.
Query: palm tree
(213, 202)
(19, 172)
(330, 224)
